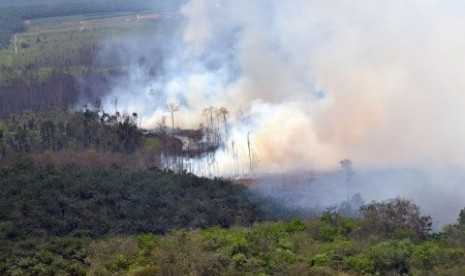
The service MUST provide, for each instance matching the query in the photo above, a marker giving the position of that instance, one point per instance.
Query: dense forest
(78, 201)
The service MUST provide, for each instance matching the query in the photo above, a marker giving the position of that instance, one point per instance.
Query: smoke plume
(379, 82)
(312, 82)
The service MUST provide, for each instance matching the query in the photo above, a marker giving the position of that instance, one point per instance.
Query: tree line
(58, 89)
(90, 129)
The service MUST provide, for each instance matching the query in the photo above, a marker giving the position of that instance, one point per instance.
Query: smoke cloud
(378, 82)
(313, 82)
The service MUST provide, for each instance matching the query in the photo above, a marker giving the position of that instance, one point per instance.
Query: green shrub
(395, 218)
(453, 236)
(391, 255)
(215, 238)
(147, 241)
(152, 145)
(360, 263)
(231, 242)
(332, 226)
(145, 271)
(2, 130)
(338, 250)
(238, 261)
(461, 219)
(319, 260)
(430, 255)
(295, 225)
(6, 229)
(122, 263)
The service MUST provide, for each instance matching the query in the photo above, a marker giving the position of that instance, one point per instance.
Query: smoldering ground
(379, 82)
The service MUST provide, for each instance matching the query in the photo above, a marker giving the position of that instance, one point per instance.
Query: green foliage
(96, 202)
(229, 243)
(147, 241)
(152, 145)
(263, 249)
(360, 263)
(397, 218)
(431, 255)
(215, 238)
(22, 164)
(266, 247)
(238, 261)
(461, 219)
(7, 230)
(240, 251)
(392, 256)
(332, 226)
(47, 256)
(112, 255)
(295, 225)
(2, 130)
(338, 250)
(319, 260)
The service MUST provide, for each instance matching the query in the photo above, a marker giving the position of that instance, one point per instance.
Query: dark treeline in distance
(58, 89)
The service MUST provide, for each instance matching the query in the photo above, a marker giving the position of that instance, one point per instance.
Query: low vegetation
(316, 247)
(329, 245)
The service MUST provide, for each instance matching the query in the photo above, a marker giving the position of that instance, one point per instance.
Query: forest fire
(296, 100)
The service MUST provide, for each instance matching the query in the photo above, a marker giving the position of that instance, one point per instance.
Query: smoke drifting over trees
(380, 84)
(309, 83)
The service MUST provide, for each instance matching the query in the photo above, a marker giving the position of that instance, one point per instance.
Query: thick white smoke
(313, 82)
(379, 82)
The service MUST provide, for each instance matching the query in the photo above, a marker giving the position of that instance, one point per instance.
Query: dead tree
(225, 113)
(347, 172)
(250, 153)
(114, 101)
(171, 109)
(211, 129)
(162, 125)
